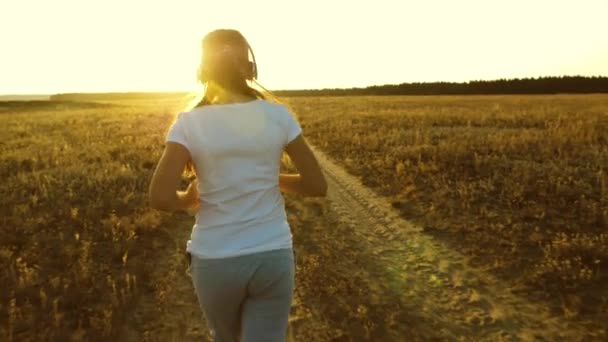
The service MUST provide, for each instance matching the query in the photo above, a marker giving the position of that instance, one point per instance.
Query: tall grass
(518, 183)
(77, 239)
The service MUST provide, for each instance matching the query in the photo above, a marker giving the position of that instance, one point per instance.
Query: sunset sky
(128, 45)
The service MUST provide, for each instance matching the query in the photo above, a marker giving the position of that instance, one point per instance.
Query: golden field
(77, 241)
(519, 184)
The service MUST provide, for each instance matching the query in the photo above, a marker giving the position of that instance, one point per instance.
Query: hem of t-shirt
(259, 249)
(294, 137)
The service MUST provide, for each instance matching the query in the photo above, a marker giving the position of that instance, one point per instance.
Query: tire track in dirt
(365, 274)
(436, 283)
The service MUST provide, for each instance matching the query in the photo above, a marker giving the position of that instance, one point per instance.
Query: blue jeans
(246, 298)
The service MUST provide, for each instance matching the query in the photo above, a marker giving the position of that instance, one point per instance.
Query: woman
(242, 261)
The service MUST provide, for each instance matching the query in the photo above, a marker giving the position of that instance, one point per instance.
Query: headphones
(252, 73)
(252, 63)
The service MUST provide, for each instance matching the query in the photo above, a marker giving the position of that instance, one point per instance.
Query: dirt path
(433, 281)
(364, 274)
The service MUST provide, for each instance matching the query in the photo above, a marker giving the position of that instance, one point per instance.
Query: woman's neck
(221, 96)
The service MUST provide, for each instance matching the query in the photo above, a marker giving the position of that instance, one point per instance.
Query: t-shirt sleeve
(177, 132)
(293, 128)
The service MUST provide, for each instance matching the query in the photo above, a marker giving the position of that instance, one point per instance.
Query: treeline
(541, 85)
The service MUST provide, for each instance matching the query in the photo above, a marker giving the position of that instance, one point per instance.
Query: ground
(447, 218)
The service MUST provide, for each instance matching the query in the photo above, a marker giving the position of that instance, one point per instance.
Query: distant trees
(541, 85)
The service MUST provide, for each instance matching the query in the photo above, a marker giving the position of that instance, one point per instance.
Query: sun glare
(77, 46)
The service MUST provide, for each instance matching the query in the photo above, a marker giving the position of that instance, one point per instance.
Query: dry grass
(519, 183)
(77, 240)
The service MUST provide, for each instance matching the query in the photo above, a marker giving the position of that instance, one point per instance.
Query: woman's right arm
(310, 180)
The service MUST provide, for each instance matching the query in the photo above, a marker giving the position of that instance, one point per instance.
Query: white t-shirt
(236, 150)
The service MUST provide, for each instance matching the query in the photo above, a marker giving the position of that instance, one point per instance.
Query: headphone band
(254, 66)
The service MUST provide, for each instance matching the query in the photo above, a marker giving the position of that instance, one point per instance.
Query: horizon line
(309, 89)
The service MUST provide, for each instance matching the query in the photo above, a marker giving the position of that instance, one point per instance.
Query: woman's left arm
(163, 193)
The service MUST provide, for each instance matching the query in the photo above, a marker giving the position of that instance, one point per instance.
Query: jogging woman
(242, 262)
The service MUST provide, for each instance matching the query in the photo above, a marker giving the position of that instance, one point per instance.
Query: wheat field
(518, 184)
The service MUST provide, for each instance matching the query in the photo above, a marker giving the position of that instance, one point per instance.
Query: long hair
(225, 67)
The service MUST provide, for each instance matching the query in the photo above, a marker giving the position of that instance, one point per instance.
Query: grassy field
(519, 184)
(77, 240)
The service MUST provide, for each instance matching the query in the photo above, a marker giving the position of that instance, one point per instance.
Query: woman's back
(242, 261)
(236, 150)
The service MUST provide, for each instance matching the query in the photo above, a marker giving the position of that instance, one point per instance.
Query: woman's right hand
(191, 197)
